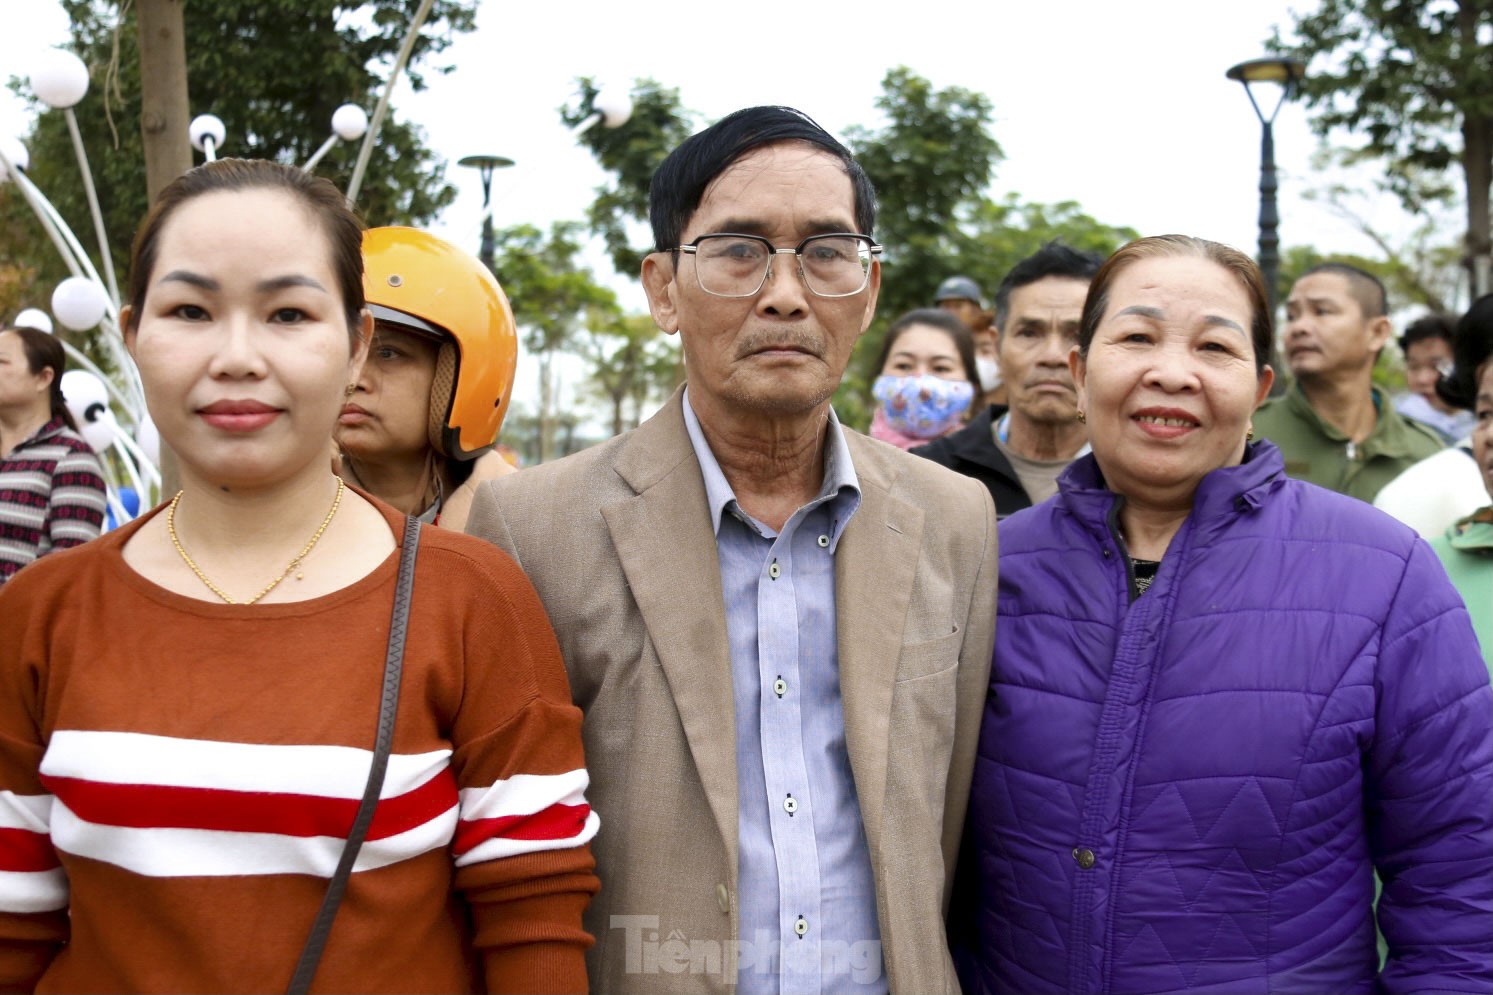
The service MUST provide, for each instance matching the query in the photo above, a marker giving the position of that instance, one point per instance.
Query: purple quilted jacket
(1191, 792)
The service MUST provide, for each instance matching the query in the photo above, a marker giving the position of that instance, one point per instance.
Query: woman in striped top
(187, 704)
(51, 486)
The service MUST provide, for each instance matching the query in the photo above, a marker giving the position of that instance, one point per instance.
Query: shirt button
(801, 927)
(824, 542)
(1085, 857)
(774, 570)
(780, 687)
(723, 898)
(790, 804)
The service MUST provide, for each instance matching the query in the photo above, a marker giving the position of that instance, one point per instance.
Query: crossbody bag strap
(321, 929)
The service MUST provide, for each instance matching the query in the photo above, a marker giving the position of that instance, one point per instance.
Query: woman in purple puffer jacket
(1222, 699)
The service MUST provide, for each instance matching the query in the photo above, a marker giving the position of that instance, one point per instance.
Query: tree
(1414, 79)
(932, 165)
(632, 362)
(632, 152)
(289, 65)
(552, 295)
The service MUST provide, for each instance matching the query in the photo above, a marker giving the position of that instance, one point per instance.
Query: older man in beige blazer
(780, 631)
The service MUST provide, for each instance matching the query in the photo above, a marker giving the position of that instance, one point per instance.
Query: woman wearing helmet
(420, 422)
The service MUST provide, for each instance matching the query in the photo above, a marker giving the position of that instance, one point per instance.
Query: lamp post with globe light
(485, 164)
(1287, 75)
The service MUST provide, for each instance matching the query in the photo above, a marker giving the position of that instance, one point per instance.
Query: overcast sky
(1123, 107)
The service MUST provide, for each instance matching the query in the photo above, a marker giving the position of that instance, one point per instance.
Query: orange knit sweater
(177, 778)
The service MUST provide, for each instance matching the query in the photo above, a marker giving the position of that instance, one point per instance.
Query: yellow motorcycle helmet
(424, 284)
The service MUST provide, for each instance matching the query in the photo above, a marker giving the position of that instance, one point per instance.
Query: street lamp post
(1285, 73)
(485, 164)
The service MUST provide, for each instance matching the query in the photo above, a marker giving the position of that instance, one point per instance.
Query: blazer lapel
(875, 563)
(664, 541)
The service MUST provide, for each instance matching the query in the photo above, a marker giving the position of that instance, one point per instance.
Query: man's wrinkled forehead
(728, 202)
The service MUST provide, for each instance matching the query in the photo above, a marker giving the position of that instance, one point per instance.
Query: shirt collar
(841, 486)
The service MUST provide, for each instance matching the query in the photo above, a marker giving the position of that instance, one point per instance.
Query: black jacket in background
(972, 452)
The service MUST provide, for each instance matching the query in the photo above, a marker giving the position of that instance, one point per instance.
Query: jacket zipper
(1113, 520)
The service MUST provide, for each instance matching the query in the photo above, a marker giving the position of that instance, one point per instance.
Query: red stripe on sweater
(23, 850)
(558, 822)
(154, 806)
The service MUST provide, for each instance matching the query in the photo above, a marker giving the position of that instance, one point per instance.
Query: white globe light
(17, 154)
(34, 317)
(99, 433)
(614, 106)
(59, 78)
(206, 126)
(349, 122)
(79, 303)
(88, 400)
(149, 438)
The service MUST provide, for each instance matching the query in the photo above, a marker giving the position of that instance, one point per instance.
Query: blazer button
(723, 898)
(1085, 857)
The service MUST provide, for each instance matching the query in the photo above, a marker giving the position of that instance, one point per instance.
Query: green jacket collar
(1392, 436)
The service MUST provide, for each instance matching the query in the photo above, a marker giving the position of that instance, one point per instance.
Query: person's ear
(127, 328)
(661, 287)
(1380, 332)
(873, 292)
(1079, 368)
(362, 339)
(1267, 380)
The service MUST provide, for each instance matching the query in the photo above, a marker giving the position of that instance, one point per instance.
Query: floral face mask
(924, 407)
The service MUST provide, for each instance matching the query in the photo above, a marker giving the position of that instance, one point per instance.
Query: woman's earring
(1082, 417)
(1250, 435)
(350, 390)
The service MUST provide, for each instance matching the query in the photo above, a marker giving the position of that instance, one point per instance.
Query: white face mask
(989, 372)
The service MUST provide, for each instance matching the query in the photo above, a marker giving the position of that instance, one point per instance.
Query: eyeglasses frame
(693, 247)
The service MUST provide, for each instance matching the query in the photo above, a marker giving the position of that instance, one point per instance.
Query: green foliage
(631, 152)
(1413, 79)
(553, 297)
(932, 164)
(274, 71)
(550, 291)
(632, 363)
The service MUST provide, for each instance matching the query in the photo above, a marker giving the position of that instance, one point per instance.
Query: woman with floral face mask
(926, 385)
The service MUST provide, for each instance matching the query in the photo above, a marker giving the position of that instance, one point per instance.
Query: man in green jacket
(1334, 428)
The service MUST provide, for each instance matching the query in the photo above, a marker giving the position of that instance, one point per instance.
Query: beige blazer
(618, 542)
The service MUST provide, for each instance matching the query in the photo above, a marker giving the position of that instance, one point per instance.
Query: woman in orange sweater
(190, 707)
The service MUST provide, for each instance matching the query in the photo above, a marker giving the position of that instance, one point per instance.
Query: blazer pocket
(930, 657)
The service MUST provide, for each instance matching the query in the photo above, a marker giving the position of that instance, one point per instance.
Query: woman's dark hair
(343, 229)
(1262, 322)
(944, 321)
(44, 352)
(1471, 349)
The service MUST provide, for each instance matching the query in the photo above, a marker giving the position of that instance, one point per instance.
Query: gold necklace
(294, 564)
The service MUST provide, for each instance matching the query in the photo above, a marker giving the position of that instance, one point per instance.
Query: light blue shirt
(807, 898)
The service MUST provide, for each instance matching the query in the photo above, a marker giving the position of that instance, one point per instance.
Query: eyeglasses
(728, 265)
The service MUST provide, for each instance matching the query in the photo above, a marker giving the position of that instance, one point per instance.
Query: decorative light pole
(485, 164)
(1286, 74)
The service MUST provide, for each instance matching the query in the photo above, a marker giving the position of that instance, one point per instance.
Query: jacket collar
(1223, 493)
(974, 441)
(1392, 435)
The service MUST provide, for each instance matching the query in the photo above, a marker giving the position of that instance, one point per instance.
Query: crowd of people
(1092, 668)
